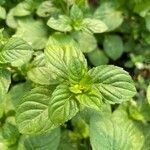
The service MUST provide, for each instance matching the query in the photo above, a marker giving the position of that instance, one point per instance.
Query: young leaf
(113, 46)
(92, 99)
(32, 113)
(76, 71)
(113, 82)
(62, 23)
(62, 106)
(16, 51)
(106, 11)
(47, 141)
(60, 50)
(95, 25)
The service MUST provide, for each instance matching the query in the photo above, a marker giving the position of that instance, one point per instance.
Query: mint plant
(74, 75)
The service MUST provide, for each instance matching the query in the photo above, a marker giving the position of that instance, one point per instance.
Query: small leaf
(62, 23)
(92, 99)
(32, 113)
(98, 57)
(60, 50)
(113, 82)
(113, 46)
(16, 51)
(95, 25)
(2, 13)
(62, 106)
(86, 41)
(76, 71)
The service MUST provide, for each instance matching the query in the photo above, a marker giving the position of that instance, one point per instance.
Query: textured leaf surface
(107, 133)
(106, 12)
(39, 31)
(113, 46)
(5, 80)
(91, 99)
(62, 106)
(47, 141)
(113, 82)
(62, 23)
(95, 25)
(16, 51)
(32, 113)
(60, 50)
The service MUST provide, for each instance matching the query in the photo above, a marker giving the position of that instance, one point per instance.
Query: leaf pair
(76, 21)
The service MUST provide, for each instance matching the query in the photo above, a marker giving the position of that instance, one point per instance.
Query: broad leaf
(95, 25)
(60, 50)
(62, 106)
(113, 46)
(62, 23)
(32, 113)
(92, 99)
(39, 31)
(16, 51)
(113, 82)
(106, 12)
(107, 133)
(147, 20)
(47, 141)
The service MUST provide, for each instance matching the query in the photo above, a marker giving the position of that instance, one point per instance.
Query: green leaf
(16, 51)
(92, 99)
(76, 71)
(22, 9)
(2, 13)
(62, 23)
(60, 50)
(5, 80)
(107, 133)
(76, 16)
(113, 46)
(86, 41)
(62, 106)
(147, 20)
(113, 82)
(47, 141)
(95, 25)
(76, 13)
(148, 94)
(98, 57)
(106, 11)
(10, 134)
(39, 31)
(46, 8)
(42, 75)
(11, 21)
(32, 113)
